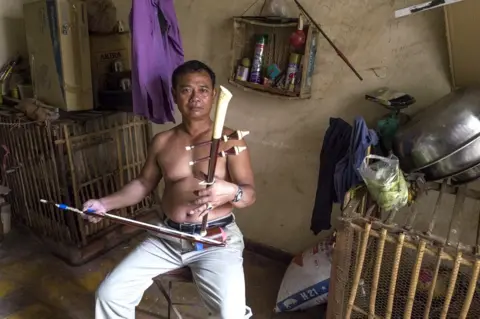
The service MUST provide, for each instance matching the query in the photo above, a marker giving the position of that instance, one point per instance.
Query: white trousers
(217, 271)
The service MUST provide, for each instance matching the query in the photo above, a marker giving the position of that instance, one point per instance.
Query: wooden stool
(179, 275)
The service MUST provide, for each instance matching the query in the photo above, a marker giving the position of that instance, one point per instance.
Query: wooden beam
(429, 5)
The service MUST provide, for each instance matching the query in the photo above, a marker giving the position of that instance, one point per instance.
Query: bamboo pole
(472, 286)
(74, 182)
(97, 124)
(34, 180)
(121, 182)
(359, 267)
(431, 291)
(451, 285)
(414, 280)
(87, 192)
(341, 266)
(393, 280)
(144, 135)
(376, 273)
(44, 180)
(16, 143)
(137, 158)
(47, 139)
(28, 185)
(477, 247)
(71, 219)
(134, 166)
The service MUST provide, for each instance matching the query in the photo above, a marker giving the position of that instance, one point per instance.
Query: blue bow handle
(66, 207)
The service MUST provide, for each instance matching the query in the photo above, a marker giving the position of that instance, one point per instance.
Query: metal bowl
(466, 176)
(455, 163)
(444, 139)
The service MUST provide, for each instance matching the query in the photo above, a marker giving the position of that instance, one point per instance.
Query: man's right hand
(96, 206)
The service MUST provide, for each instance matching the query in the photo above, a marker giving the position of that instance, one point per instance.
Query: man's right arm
(136, 190)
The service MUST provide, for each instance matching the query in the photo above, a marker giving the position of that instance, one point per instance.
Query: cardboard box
(59, 52)
(105, 50)
(462, 25)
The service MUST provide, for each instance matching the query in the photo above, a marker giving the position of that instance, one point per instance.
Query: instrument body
(220, 113)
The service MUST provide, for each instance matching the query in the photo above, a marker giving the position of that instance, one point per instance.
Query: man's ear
(174, 95)
(214, 92)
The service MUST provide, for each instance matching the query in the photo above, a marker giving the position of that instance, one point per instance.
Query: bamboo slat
(359, 267)
(395, 269)
(431, 291)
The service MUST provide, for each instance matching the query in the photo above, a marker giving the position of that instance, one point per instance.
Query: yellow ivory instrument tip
(221, 112)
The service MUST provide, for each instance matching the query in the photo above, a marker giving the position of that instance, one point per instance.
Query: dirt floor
(36, 285)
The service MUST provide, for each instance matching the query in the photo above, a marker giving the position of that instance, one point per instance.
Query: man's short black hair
(191, 67)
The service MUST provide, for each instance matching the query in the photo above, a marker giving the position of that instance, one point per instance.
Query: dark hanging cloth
(346, 174)
(335, 146)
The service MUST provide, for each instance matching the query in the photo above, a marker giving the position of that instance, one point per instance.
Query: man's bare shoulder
(161, 139)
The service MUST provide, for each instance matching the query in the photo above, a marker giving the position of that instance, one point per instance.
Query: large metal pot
(467, 176)
(444, 139)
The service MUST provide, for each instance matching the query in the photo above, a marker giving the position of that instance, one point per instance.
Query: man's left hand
(218, 194)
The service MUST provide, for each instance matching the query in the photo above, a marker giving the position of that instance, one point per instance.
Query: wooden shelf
(277, 51)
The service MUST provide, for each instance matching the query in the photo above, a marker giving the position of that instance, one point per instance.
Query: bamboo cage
(420, 262)
(78, 157)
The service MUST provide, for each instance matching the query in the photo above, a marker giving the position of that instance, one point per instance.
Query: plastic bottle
(243, 69)
(292, 68)
(298, 38)
(255, 72)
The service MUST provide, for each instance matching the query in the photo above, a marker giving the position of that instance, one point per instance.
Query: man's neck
(197, 127)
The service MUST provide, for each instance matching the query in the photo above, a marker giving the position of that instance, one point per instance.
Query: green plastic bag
(385, 181)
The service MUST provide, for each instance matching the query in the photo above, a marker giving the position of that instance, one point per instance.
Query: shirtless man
(218, 271)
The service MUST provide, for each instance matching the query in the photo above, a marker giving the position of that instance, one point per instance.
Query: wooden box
(59, 53)
(277, 51)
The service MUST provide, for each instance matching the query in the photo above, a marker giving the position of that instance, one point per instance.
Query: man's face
(194, 95)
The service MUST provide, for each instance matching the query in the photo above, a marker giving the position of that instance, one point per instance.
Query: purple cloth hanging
(156, 51)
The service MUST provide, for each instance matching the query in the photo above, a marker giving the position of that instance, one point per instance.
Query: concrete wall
(286, 137)
(12, 30)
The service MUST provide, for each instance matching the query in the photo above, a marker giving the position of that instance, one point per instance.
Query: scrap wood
(36, 111)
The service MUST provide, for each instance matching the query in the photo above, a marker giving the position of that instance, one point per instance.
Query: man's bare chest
(177, 163)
